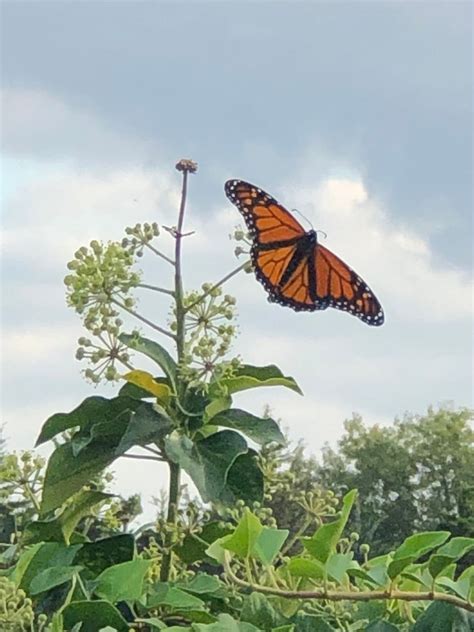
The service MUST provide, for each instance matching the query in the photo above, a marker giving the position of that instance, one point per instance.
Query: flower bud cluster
(209, 330)
(100, 283)
(21, 475)
(139, 236)
(16, 609)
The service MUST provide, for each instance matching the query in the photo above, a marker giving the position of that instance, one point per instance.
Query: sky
(358, 114)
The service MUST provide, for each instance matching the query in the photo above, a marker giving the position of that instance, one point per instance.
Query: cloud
(37, 123)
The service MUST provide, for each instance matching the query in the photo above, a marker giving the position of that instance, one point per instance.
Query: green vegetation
(375, 537)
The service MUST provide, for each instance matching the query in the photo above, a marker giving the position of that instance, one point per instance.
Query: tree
(416, 474)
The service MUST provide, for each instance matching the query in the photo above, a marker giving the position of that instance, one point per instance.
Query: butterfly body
(293, 267)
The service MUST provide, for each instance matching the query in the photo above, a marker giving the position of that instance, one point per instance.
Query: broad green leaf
(443, 617)
(305, 567)
(43, 531)
(122, 582)
(202, 584)
(262, 430)
(207, 461)
(147, 382)
(248, 376)
(244, 480)
(153, 350)
(337, 566)
(101, 554)
(39, 558)
(449, 553)
(216, 406)
(258, 610)
(216, 550)
(162, 594)
(269, 543)
(311, 623)
(414, 547)
(81, 507)
(93, 615)
(194, 545)
(245, 536)
(91, 410)
(147, 424)
(51, 577)
(225, 623)
(381, 626)
(461, 587)
(71, 466)
(324, 541)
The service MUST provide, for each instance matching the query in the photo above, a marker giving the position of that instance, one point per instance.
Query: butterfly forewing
(267, 221)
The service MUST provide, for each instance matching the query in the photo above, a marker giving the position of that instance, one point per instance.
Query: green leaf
(338, 565)
(441, 617)
(51, 577)
(311, 623)
(202, 584)
(225, 623)
(449, 553)
(216, 406)
(91, 410)
(262, 430)
(208, 460)
(248, 376)
(324, 541)
(245, 536)
(72, 465)
(156, 352)
(147, 382)
(165, 595)
(93, 615)
(244, 480)
(39, 558)
(194, 546)
(305, 567)
(81, 507)
(155, 623)
(269, 543)
(461, 587)
(122, 582)
(148, 424)
(381, 626)
(43, 531)
(101, 554)
(414, 547)
(258, 610)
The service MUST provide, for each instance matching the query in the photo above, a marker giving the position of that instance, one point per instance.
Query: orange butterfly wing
(293, 267)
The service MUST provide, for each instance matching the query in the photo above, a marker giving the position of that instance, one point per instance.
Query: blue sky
(358, 114)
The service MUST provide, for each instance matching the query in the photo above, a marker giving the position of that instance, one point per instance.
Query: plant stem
(143, 319)
(175, 470)
(218, 284)
(348, 595)
(160, 254)
(155, 288)
(143, 457)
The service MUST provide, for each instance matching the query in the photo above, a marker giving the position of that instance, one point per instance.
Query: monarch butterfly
(293, 267)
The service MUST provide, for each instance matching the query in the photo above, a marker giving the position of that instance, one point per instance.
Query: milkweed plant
(219, 562)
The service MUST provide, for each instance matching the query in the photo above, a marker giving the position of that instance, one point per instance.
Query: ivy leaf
(225, 623)
(122, 582)
(414, 547)
(439, 617)
(93, 615)
(91, 410)
(259, 611)
(52, 577)
(101, 554)
(155, 351)
(149, 384)
(216, 406)
(306, 567)
(449, 553)
(162, 594)
(208, 460)
(245, 536)
(262, 430)
(248, 376)
(269, 543)
(244, 480)
(324, 541)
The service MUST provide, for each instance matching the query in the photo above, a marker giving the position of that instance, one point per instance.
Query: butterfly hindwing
(293, 267)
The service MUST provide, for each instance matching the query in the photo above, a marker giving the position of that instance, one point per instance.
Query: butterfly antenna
(323, 233)
(295, 210)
